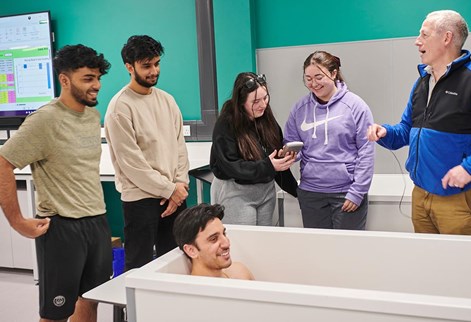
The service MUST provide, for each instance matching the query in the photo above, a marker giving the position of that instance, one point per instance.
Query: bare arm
(30, 227)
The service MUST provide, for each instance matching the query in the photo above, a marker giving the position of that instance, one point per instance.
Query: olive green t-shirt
(63, 148)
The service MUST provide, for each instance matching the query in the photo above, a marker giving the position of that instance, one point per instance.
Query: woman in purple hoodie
(336, 159)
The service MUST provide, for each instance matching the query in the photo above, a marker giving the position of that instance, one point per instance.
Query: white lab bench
(18, 252)
(389, 207)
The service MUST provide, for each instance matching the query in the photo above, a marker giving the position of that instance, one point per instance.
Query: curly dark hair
(193, 220)
(72, 57)
(139, 48)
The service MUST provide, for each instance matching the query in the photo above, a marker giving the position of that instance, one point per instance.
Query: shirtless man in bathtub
(201, 235)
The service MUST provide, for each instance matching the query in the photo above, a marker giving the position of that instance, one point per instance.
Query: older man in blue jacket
(437, 126)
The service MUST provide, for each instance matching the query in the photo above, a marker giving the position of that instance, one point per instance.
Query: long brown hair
(253, 135)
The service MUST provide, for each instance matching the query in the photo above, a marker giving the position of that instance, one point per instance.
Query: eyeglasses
(309, 79)
(252, 82)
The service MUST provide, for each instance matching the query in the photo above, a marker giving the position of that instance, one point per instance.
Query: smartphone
(295, 146)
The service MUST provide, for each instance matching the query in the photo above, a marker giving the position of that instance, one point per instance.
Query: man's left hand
(456, 177)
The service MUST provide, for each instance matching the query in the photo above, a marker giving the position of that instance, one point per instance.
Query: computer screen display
(26, 74)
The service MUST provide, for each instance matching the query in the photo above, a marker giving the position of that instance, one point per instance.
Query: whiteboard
(382, 72)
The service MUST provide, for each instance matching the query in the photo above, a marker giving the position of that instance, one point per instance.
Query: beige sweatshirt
(148, 150)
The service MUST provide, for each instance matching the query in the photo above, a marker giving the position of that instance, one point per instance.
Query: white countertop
(112, 292)
(198, 155)
(384, 187)
(391, 187)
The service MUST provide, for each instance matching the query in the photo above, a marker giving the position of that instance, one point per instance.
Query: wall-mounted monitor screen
(26, 74)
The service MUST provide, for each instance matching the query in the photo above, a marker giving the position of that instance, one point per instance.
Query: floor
(19, 298)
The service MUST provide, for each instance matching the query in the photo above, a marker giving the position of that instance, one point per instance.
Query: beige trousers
(441, 214)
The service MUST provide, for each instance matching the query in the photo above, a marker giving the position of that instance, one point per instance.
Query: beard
(144, 82)
(81, 97)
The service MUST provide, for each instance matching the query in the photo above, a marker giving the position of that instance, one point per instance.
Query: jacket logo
(451, 93)
(307, 126)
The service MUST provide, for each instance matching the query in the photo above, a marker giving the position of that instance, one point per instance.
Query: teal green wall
(106, 24)
(280, 23)
(235, 45)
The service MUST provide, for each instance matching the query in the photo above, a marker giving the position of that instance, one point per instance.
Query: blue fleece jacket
(438, 129)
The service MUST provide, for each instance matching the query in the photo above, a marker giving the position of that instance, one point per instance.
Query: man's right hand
(375, 132)
(180, 193)
(31, 227)
(171, 207)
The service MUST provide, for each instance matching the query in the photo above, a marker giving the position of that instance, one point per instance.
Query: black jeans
(144, 228)
(324, 210)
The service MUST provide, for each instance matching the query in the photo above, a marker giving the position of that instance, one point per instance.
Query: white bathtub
(314, 275)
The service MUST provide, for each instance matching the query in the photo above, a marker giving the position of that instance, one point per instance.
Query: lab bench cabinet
(16, 251)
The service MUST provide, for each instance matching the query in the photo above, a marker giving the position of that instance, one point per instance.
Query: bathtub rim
(153, 277)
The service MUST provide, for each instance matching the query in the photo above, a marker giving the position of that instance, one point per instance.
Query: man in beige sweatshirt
(144, 130)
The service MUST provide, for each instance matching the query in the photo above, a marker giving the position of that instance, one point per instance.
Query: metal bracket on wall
(201, 130)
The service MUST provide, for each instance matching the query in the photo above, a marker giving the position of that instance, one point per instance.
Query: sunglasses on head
(252, 82)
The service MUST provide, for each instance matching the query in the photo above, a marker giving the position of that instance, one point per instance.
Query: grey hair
(450, 20)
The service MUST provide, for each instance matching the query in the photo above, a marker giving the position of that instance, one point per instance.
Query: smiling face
(80, 87)
(211, 251)
(144, 74)
(320, 81)
(257, 102)
(431, 43)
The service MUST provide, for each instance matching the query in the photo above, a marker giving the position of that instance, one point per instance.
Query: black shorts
(74, 256)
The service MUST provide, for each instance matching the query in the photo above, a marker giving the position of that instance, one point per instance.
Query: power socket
(186, 130)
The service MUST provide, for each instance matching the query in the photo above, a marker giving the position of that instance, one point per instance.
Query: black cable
(403, 179)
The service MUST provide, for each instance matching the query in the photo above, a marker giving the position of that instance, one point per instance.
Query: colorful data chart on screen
(25, 75)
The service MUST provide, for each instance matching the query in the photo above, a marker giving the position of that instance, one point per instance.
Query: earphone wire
(401, 169)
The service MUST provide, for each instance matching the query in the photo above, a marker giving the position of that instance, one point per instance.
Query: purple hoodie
(336, 157)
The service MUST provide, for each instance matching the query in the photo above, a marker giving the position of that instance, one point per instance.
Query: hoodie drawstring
(314, 136)
(326, 133)
(325, 126)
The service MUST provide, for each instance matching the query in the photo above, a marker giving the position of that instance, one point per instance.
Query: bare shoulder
(239, 271)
